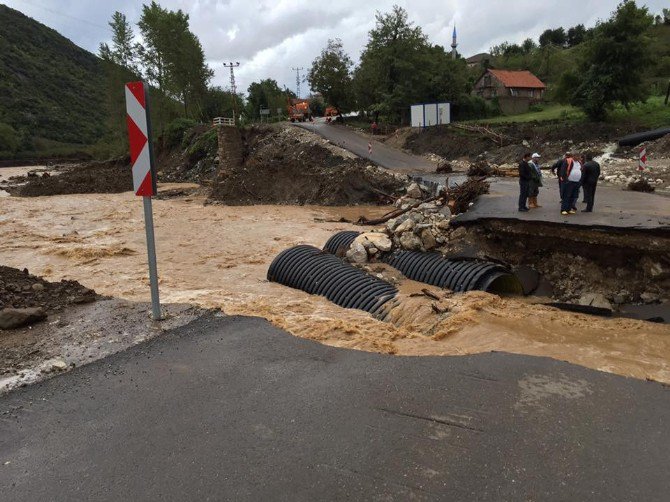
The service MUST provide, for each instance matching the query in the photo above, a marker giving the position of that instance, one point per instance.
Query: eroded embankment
(622, 265)
(218, 256)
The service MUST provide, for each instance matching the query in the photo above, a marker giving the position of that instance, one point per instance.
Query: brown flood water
(217, 256)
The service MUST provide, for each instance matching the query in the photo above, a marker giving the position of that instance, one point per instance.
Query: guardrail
(224, 121)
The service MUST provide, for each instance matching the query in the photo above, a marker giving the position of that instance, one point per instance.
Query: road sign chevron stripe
(137, 88)
(136, 139)
(141, 167)
(136, 111)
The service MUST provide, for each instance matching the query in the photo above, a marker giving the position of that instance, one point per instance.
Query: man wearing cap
(524, 180)
(535, 181)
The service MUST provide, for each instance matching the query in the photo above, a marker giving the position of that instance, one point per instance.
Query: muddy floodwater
(217, 256)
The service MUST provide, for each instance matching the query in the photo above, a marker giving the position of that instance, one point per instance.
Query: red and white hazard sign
(369, 147)
(642, 165)
(141, 154)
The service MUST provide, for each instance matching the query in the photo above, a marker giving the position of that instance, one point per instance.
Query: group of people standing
(573, 172)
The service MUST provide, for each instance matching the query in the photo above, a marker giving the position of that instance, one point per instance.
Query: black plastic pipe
(317, 272)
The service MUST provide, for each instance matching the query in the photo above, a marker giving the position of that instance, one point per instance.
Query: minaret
(454, 43)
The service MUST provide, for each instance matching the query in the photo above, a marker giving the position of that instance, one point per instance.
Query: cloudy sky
(269, 37)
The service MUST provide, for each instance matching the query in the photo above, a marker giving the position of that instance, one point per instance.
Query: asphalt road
(230, 408)
(357, 143)
(614, 208)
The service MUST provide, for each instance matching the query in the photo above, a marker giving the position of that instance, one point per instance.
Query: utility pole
(233, 87)
(297, 80)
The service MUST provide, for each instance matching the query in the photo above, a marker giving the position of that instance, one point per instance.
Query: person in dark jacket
(524, 181)
(554, 170)
(590, 175)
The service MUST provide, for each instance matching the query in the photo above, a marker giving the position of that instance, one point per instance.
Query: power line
(64, 15)
(297, 80)
(233, 87)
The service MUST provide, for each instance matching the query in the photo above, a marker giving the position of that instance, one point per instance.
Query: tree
(576, 35)
(553, 37)
(124, 50)
(330, 75)
(611, 69)
(220, 103)
(391, 71)
(172, 56)
(528, 46)
(265, 94)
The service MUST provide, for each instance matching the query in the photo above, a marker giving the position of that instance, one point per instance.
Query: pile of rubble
(26, 299)
(421, 222)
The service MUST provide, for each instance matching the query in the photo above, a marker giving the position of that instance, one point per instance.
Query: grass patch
(651, 114)
(549, 112)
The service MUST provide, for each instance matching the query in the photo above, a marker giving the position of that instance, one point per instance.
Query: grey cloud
(273, 36)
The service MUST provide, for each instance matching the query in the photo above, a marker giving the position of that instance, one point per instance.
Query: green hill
(51, 91)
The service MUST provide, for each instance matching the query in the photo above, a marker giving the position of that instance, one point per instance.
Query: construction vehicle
(330, 112)
(298, 110)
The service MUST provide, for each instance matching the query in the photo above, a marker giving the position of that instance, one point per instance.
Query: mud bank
(288, 165)
(623, 266)
(217, 256)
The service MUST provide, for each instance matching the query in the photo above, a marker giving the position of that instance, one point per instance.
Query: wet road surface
(231, 408)
(357, 143)
(614, 208)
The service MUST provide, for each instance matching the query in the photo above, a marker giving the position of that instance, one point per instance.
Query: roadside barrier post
(642, 164)
(138, 120)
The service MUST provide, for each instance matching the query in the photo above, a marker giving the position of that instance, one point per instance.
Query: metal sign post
(144, 173)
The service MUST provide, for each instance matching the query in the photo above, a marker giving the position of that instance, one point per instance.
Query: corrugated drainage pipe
(339, 243)
(456, 274)
(316, 272)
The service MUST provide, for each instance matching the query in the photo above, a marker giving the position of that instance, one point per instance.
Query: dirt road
(382, 154)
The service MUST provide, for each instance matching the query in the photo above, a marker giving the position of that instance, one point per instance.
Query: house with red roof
(514, 90)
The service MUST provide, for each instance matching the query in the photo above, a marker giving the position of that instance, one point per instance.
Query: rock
(649, 297)
(525, 143)
(392, 224)
(377, 240)
(428, 207)
(414, 191)
(442, 225)
(595, 300)
(373, 251)
(410, 241)
(357, 253)
(15, 318)
(621, 297)
(427, 239)
(405, 226)
(416, 216)
(459, 233)
(654, 269)
(58, 365)
(38, 286)
(445, 211)
(444, 168)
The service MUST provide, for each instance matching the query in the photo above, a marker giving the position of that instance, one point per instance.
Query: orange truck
(298, 110)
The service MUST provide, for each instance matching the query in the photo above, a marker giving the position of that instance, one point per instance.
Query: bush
(173, 134)
(536, 108)
(206, 145)
(473, 107)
